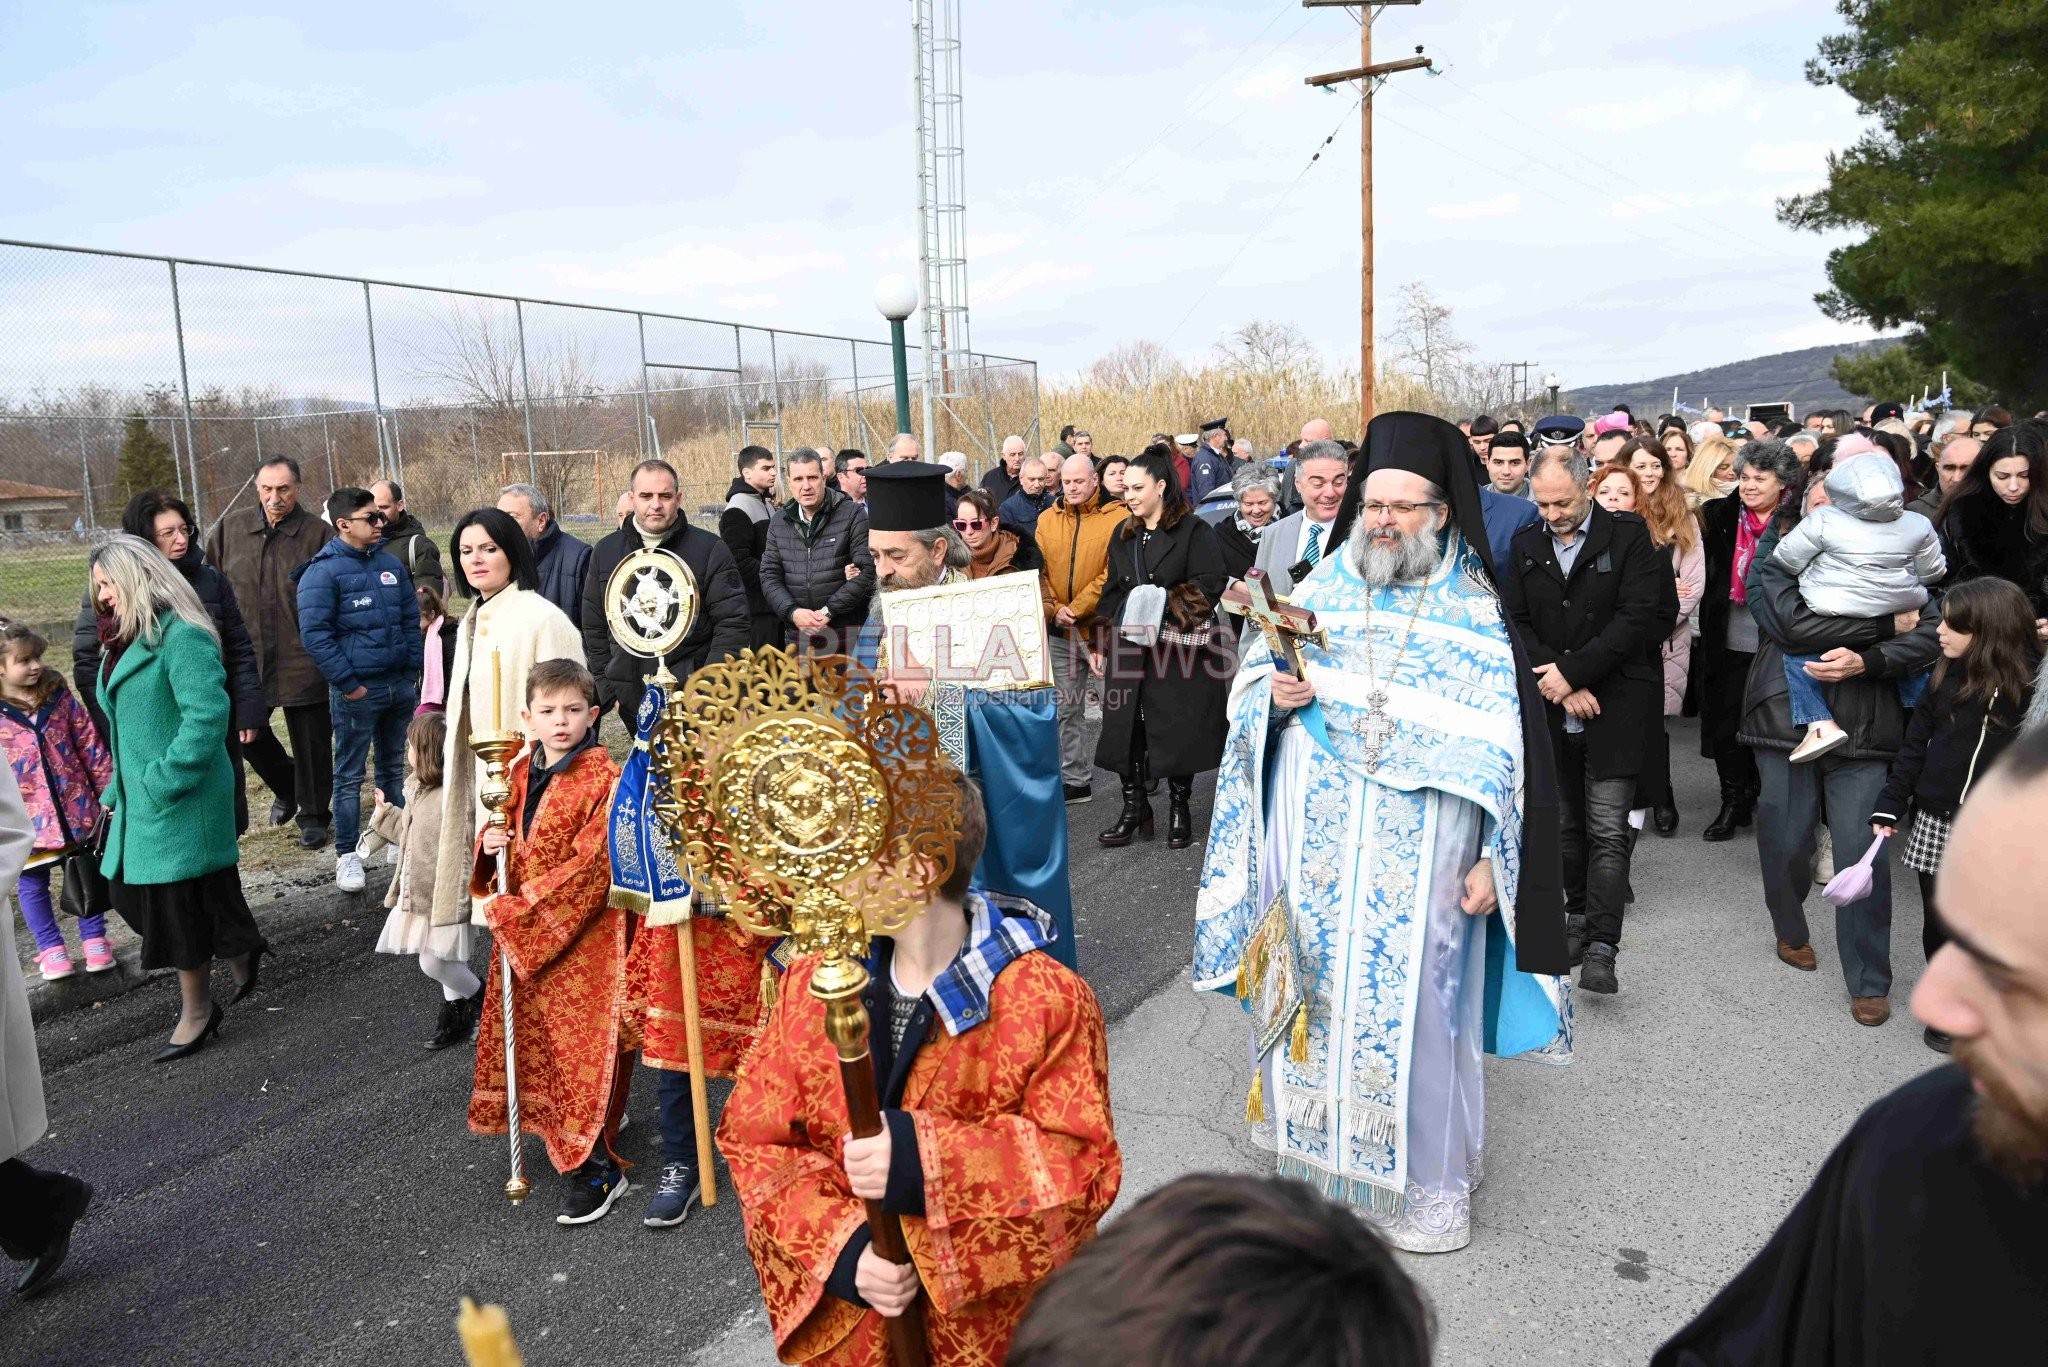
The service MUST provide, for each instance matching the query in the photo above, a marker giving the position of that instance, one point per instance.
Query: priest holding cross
(1382, 881)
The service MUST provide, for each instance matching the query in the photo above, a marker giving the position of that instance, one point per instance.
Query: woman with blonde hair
(170, 852)
(1711, 472)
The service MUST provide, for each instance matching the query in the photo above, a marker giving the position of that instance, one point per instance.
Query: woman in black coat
(166, 522)
(1765, 472)
(1995, 521)
(1164, 700)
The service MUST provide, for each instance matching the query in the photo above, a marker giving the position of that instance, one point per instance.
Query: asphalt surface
(306, 1191)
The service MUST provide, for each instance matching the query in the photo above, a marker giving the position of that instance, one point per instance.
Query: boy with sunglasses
(359, 622)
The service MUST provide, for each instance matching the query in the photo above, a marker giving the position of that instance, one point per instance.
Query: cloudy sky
(1589, 185)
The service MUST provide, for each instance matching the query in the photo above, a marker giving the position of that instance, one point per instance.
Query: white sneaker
(348, 872)
(1820, 738)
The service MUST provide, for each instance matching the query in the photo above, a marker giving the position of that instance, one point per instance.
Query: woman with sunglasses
(996, 549)
(1169, 670)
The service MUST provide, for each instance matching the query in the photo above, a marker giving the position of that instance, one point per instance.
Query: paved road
(307, 1192)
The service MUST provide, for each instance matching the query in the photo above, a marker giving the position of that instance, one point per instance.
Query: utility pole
(1369, 77)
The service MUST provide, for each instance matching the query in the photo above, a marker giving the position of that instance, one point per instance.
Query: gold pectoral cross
(1285, 625)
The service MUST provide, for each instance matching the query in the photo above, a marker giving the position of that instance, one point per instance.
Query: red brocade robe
(568, 951)
(729, 1004)
(1014, 1135)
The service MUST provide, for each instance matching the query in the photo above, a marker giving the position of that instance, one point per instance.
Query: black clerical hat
(906, 496)
(1215, 423)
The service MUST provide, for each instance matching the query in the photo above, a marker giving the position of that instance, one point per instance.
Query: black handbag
(86, 890)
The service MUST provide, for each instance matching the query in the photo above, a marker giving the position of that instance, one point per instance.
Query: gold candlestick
(496, 750)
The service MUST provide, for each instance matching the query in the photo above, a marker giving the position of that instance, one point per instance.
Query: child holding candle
(565, 941)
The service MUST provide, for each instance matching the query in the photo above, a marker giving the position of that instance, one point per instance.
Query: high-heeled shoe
(196, 1043)
(255, 971)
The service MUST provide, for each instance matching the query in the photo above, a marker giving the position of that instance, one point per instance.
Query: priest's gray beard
(1388, 555)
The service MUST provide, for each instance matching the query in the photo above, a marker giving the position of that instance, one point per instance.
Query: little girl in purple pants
(62, 767)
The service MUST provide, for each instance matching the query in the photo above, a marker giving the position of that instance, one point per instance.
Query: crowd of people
(1422, 828)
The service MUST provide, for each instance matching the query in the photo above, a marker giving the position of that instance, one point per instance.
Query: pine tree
(146, 461)
(1949, 188)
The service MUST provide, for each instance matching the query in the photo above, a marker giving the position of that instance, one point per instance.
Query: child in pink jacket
(62, 767)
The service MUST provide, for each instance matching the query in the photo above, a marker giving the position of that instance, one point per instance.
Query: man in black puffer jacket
(743, 526)
(720, 631)
(816, 572)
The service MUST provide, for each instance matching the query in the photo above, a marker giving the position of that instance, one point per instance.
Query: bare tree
(1134, 366)
(1264, 348)
(1425, 341)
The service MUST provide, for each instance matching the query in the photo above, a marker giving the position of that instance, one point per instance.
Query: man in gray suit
(1302, 539)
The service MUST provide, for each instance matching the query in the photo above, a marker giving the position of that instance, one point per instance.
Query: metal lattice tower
(949, 377)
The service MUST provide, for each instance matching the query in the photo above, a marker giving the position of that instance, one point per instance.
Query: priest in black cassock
(1925, 1237)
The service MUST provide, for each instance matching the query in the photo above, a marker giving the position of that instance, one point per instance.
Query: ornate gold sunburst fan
(817, 809)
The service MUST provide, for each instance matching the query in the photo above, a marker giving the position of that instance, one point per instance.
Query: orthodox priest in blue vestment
(1007, 741)
(1382, 881)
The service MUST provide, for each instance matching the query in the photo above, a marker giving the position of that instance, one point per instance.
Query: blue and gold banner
(646, 877)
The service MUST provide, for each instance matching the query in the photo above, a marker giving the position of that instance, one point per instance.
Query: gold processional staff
(820, 811)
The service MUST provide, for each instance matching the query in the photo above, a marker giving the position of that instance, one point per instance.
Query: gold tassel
(770, 987)
(1255, 1102)
(1297, 1048)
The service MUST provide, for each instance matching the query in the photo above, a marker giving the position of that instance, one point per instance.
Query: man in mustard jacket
(1073, 537)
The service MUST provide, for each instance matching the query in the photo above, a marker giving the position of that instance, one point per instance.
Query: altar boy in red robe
(997, 1148)
(566, 943)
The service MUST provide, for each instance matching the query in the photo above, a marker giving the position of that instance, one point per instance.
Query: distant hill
(1798, 377)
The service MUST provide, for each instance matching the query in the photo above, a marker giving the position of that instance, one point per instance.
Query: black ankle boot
(1135, 818)
(1665, 818)
(452, 1026)
(1180, 827)
(1722, 827)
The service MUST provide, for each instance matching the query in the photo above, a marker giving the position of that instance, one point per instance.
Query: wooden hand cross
(1286, 626)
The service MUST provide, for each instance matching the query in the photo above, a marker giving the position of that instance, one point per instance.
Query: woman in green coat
(171, 852)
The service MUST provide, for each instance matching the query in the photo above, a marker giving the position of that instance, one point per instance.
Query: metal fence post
(185, 392)
(327, 440)
(85, 469)
(376, 391)
(526, 394)
(775, 391)
(646, 403)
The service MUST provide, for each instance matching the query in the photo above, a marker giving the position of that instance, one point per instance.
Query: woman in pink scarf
(1731, 528)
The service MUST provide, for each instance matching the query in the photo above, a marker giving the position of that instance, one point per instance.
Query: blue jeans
(380, 717)
(1809, 697)
(676, 1116)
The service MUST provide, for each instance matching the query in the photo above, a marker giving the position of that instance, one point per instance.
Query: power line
(1084, 203)
(1267, 217)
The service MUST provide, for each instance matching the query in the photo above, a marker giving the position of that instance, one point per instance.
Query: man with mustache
(1922, 1238)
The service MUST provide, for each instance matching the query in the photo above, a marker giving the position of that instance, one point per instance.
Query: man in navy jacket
(360, 623)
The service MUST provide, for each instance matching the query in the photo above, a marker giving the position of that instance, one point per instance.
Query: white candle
(497, 692)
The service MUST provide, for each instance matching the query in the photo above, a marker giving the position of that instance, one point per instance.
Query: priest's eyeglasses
(1374, 508)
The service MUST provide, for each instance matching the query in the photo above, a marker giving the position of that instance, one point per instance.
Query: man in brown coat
(258, 550)
(1073, 537)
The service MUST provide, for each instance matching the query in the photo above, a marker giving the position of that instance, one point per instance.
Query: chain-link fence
(120, 372)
